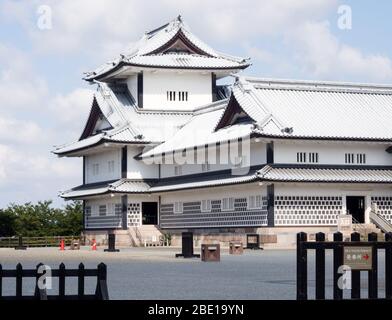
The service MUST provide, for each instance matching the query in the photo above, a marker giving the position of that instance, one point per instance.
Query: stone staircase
(365, 228)
(138, 236)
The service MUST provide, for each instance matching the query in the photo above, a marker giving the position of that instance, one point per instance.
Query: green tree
(7, 224)
(40, 219)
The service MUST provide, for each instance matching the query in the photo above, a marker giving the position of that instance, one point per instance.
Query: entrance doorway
(149, 213)
(356, 207)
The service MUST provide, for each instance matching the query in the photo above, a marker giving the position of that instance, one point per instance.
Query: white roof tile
(143, 53)
(336, 175)
(319, 110)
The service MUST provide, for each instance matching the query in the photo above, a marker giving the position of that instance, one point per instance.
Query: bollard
(187, 246)
(20, 246)
(111, 243)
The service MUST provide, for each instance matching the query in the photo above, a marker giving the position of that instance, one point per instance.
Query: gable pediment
(96, 122)
(233, 114)
(179, 43)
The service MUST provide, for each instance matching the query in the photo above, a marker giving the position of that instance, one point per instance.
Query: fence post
(337, 262)
(1, 281)
(320, 267)
(373, 274)
(355, 274)
(81, 281)
(62, 280)
(19, 279)
(302, 267)
(388, 266)
(101, 291)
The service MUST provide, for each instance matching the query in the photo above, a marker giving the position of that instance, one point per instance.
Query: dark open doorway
(356, 207)
(149, 213)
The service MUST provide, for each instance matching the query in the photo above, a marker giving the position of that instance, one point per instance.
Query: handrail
(380, 221)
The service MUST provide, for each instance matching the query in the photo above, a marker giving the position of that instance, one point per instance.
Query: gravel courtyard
(154, 273)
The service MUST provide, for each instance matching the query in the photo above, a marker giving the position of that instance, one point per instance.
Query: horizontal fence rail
(338, 246)
(101, 291)
(52, 241)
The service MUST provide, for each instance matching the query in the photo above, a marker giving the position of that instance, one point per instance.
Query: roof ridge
(319, 85)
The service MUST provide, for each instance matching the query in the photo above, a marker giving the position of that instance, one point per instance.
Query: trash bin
(210, 252)
(75, 245)
(253, 241)
(236, 247)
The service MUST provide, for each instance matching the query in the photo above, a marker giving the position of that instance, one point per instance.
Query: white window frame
(115, 207)
(205, 205)
(255, 202)
(229, 202)
(178, 207)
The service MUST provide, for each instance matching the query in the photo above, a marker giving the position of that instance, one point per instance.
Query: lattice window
(384, 206)
(313, 157)
(307, 210)
(134, 214)
(256, 202)
(118, 209)
(227, 204)
(178, 207)
(102, 210)
(301, 157)
(206, 206)
(361, 158)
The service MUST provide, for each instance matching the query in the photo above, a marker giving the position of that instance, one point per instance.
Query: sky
(45, 46)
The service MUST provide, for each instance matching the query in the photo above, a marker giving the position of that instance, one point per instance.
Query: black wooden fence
(338, 245)
(101, 291)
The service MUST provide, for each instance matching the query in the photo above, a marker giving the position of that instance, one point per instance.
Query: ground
(154, 273)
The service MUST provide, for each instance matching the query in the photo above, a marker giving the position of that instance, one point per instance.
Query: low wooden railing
(53, 241)
(101, 291)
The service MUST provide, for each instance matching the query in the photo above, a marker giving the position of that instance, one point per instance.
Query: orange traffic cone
(62, 245)
(94, 245)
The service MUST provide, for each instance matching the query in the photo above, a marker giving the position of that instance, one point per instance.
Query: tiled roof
(130, 124)
(313, 109)
(212, 179)
(120, 186)
(144, 53)
(199, 131)
(325, 174)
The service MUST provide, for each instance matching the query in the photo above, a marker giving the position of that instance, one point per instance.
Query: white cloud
(20, 131)
(321, 54)
(20, 87)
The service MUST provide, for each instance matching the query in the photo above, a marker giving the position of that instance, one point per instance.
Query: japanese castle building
(166, 149)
